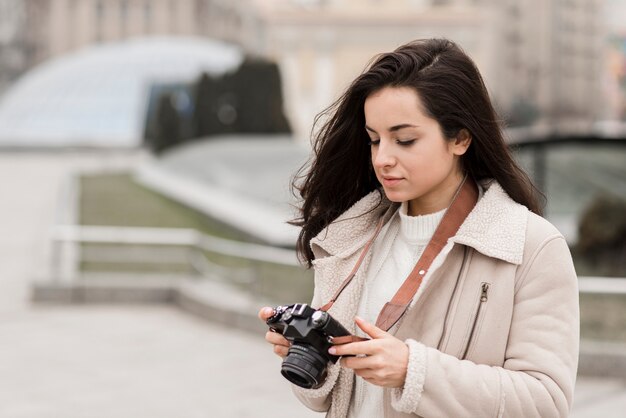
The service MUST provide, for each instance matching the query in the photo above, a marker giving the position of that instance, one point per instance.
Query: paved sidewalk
(597, 397)
(133, 362)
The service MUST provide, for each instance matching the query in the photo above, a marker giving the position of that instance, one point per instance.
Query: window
(100, 17)
(147, 15)
(123, 17)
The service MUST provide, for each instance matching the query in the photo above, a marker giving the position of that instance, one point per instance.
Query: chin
(396, 196)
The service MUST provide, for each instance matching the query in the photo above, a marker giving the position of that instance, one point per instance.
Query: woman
(491, 328)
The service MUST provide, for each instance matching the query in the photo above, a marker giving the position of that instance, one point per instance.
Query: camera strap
(462, 204)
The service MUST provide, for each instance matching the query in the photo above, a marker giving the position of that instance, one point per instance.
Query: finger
(358, 363)
(265, 313)
(354, 349)
(281, 351)
(370, 329)
(277, 339)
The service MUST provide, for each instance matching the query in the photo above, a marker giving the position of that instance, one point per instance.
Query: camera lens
(304, 366)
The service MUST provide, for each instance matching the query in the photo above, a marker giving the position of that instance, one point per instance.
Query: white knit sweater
(394, 254)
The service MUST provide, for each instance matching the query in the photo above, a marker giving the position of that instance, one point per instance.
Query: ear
(461, 143)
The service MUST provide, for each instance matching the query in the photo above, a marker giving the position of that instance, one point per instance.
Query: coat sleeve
(317, 401)
(539, 371)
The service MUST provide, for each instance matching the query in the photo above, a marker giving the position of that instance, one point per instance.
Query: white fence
(602, 285)
(154, 245)
(158, 245)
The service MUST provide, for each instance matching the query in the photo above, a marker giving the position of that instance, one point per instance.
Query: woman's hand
(381, 361)
(281, 345)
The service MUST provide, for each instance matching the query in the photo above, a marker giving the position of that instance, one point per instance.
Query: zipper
(484, 295)
(456, 286)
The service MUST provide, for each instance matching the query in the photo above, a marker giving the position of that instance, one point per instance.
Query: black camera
(311, 332)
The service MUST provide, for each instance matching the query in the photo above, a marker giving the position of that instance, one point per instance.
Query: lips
(391, 181)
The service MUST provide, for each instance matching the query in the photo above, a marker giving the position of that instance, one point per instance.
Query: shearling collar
(496, 227)
(353, 228)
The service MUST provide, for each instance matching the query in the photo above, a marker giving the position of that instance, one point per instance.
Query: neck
(438, 199)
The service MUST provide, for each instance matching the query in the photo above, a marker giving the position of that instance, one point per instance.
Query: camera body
(311, 332)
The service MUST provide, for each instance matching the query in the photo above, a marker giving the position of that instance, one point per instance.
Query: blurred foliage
(168, 125)
(116, 200)
(602, 236)
(283, 284)
(602, 317)
(204, 117)
(522, 113)
(249, 100)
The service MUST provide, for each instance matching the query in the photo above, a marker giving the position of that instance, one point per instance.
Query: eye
(405, 142)
(374, 142)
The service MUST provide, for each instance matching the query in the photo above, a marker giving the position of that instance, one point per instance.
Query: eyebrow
(394, 128)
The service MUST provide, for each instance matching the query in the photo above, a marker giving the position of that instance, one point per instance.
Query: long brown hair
(452, 92)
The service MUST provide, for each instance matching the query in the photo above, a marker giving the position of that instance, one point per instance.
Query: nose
(382, 155)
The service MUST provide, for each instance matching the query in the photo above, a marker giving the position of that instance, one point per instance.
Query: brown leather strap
(461, 206)
(345, 339)
(356, 267)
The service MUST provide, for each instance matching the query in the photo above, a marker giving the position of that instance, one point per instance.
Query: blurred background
(146, 153)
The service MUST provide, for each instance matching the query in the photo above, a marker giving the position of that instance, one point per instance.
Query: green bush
(247, 101)
(602, 236)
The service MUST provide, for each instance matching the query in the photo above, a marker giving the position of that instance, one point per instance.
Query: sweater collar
(418, 229)
(496, 227)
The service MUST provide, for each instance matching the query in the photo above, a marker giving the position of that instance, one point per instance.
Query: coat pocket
(478, 314)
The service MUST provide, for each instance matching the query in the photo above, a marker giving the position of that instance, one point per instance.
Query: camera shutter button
(319, 318)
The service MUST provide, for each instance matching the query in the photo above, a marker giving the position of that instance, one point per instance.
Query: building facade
(548, 59)
(21, 35)
(322, 45)
(541, 60)
(74, 24)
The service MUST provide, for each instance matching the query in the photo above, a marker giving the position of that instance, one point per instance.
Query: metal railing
(159, 245)
(602, 285)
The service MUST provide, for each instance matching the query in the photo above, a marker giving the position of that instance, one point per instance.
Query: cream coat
(492, 332)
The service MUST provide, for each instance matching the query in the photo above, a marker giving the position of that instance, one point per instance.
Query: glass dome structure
(98, 96)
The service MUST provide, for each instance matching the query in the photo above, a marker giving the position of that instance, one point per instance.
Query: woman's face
(411, 158)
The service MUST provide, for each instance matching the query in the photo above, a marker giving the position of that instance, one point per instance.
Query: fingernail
(268, 311)
(332, 350)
